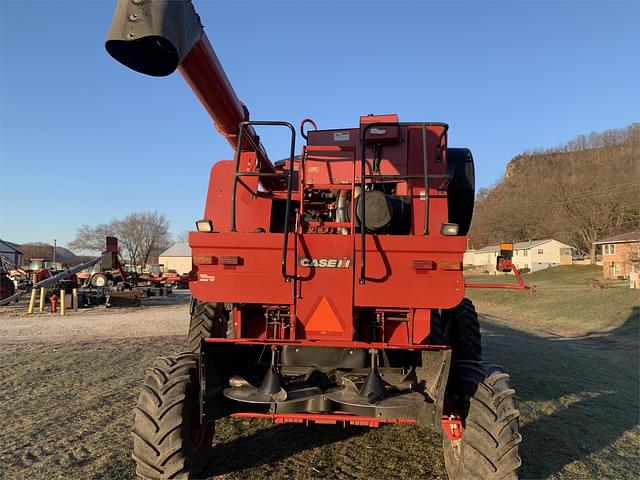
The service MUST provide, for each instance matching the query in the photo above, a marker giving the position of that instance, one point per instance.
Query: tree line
(142, 236)
(577, 193)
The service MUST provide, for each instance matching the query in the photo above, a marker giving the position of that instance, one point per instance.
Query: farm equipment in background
(100, 281)
(327, 287)
(170, 279)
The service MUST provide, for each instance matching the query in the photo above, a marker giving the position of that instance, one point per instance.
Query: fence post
(42, 292)
(62, 301)
(32, 301)
(74, 294)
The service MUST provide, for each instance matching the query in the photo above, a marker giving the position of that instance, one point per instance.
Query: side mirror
(504, 259)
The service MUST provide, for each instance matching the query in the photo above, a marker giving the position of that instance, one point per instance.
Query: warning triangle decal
(324, 319)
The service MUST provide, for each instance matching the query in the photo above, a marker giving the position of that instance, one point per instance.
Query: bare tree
(141, 236)
(93, 238)
(183, 237)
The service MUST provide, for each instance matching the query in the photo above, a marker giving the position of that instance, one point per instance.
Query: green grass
(564, 301)
(578, 399)
(573, 353)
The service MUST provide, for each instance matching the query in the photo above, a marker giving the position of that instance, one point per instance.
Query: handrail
(288, 175)
(425, 176)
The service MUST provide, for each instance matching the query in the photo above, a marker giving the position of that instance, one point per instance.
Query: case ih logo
(326, 262)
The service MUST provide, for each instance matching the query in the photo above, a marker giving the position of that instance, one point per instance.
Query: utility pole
(54, 250)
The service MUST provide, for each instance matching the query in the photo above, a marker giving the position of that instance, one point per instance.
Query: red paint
(505, 286)
(54, 303)
(323, 418)
(327, 305)
(204, 73)
(325, 343)
(452, 427)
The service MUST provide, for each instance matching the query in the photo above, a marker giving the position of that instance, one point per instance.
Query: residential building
(620, 256)
(176, 257)
(532, 255)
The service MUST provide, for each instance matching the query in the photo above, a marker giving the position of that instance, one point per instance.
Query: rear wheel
(479, 394)
(208, 320)
(465, 331)
(168, 439)
(460, 328)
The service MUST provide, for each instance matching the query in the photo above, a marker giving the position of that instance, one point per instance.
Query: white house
(533, 255)
(176, 257)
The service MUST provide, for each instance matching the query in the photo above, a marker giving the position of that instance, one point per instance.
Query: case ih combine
(327, 287)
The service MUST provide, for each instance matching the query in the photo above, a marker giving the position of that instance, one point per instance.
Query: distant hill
(577, 193)
(45, 251)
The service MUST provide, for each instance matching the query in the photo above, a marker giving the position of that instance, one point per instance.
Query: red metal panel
(331, 282)
(328, 166)
(421, 325)
(393, 282)
(257, 280)
(253, 211)
(326, 343)
(382, 134)
(437, 198)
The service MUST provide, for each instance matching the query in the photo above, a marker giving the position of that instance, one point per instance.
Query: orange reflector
(204, 260)
(450, 265)
(506, 246)
(324, 319)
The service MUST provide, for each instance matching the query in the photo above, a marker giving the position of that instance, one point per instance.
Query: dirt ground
(160, 316)
(68, 385)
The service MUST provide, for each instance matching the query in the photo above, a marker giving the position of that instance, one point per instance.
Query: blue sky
(84, 140)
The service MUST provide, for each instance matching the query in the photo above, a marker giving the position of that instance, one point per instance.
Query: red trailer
(327, 287)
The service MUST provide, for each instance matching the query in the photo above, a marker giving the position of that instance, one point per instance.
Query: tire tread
(491, 438)
(161, 448)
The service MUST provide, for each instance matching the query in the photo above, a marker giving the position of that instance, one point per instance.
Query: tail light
(423, 265)
(231, 260)
(450, 265)
(204, 260)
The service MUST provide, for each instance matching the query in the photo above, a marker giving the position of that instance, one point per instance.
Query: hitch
(504, 264)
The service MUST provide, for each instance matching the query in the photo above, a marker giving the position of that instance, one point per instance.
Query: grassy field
(65, 408)
(564, 301)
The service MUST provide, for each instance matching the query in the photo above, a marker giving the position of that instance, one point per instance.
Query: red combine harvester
(328, 287)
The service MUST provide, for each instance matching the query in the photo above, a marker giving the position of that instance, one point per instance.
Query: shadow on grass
(577, 395)
(273, 444)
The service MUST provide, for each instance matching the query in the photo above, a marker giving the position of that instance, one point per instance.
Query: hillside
(577, 193)
(45, 251)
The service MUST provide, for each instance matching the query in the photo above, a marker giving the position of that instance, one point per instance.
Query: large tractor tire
(464, 328)
(458, 327)
(489, 445)
(168, 440)
(207, 320)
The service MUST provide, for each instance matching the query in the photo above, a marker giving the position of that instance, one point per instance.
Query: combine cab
(326, 287)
